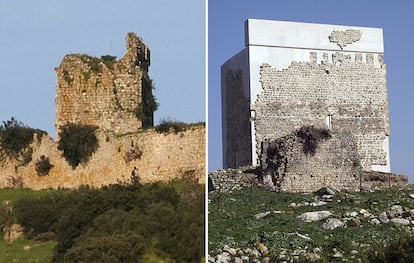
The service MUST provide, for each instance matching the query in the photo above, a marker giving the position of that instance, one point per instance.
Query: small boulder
(312, 257)
(383, 218)
(224, 257)
(327, 198)
(262, 215)
(325, 191)
(332, 223)
(314, 216)
(13, 232)
(353, 214)
(318, 203)
(303, 236)
(396, 210)
(356, 222)
(364, 213)
(375, 221)
(262, 249)
(400, 221)
(230, 250)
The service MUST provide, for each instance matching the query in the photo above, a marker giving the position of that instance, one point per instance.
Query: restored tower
(292, 75)
(113, 95)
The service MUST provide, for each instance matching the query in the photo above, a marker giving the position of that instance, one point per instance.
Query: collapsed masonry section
(114, 95)
(346, 96)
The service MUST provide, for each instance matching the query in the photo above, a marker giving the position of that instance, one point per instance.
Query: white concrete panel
(238, 62)
(384, 168)
(309, 36)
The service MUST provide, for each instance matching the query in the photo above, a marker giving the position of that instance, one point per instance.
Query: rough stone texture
(334, 164)
(165, 156)
(238, 115)
(378, 180)
(314, 216)
(13, 232)
(230, 179)
(400, 221)
(332, 223)
(107, 95)
(344, 38)
(345, 96)
(353, 95)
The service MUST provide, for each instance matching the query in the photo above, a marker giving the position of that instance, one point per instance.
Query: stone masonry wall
(227, 180)
(347, 94)
(286, 166)
(238, 136)
(100, 92)
(165, 156)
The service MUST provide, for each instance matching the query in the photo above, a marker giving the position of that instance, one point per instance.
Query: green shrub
(400, 250)
(15, 138)
(166, 126)
(43, 166)
(119, 223)
(38, 215)
(149, 104)
(78, 143)
(86, 75)
(67, 77)
(6, 215)
(93, 62)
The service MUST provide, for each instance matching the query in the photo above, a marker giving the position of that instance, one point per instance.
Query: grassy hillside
(24, 251)
(233, 224)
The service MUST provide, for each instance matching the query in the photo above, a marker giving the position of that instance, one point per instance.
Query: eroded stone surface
(104, 92)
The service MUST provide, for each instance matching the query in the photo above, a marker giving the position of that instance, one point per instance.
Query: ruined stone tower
(113, 95)
(294, 76)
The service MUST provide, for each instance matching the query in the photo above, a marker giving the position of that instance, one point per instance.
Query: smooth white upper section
(309, 36)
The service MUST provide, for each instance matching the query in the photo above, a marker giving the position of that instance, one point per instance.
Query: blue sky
(226, 38)
(36, 35)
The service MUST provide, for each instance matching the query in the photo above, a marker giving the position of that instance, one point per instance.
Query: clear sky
(226, 38)
(36, 35)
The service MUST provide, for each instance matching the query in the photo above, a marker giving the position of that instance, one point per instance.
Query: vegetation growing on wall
(86, 75)
(133, 154)
(43, 166)
(167, 125)
(149, 104)
(95, 63)
(109, 61)
(15, 140)
(78, 143)
(67, 77)
(311, 137)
